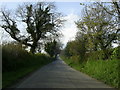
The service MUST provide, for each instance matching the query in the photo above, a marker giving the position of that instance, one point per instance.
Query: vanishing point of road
(59, 75)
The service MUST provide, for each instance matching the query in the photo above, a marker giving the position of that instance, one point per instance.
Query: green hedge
(103, 70)
(106, 71)
(17, 62)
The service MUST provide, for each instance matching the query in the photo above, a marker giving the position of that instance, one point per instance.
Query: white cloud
(69, 30)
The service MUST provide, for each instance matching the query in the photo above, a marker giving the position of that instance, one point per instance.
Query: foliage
(39, 20)
(76, 48)
(17, 62)
(106, 71)
(14, 57)
(52, 48)
(99, 27)
(115, 11)
(98, 30)
(67, 50)
(116, 53)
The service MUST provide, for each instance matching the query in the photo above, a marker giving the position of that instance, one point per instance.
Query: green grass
(105, 71)
(9, 78)
(17, 63)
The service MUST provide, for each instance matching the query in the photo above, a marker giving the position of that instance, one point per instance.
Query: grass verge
(105, 71)
(17, 63)
(10, 78)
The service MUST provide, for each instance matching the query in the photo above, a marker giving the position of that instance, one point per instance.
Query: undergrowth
(17, 62)
(106, 71)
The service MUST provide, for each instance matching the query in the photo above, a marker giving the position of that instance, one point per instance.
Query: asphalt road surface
(59, 75)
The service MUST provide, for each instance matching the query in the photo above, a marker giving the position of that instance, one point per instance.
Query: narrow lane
(59, 75)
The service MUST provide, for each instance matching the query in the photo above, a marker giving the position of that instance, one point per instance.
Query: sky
(71, 12)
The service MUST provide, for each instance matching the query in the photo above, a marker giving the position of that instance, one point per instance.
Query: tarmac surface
(59, 75)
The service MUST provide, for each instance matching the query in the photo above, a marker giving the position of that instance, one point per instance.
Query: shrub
(14, 57)
(107, 71)
(116, 53)
(17, 63)
(104, 70)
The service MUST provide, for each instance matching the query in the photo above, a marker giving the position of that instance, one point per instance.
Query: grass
(17, 63)
(10, 78)
(105, 71)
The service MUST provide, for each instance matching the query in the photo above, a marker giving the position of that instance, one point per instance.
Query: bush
(116, 53)
(17, 62)
(104, 70)
(95, 55)
(75, 59)
(14, 57)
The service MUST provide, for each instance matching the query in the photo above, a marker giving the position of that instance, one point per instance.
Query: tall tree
(40, 20)
(69, 49)
(53, 48)
(100, 27)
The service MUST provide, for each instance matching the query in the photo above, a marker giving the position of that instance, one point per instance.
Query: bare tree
(40, 20)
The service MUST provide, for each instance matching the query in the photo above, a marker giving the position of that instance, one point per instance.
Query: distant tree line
(53, 48)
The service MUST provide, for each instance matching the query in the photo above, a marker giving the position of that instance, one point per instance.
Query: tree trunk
(32, 50)
(33, 47)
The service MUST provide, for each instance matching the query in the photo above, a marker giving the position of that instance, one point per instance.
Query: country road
(59, 75)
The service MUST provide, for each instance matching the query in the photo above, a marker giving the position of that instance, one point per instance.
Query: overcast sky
(71, 12)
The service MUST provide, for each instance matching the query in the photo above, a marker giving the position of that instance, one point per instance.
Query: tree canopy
(99, 26)
(40, 20)
(53, 48)
(97, 30)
